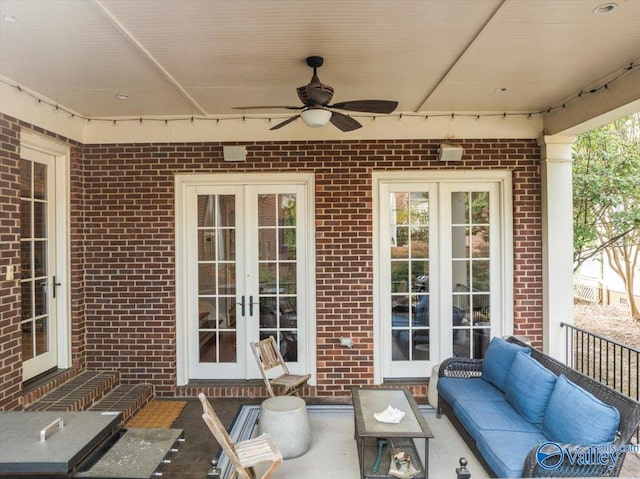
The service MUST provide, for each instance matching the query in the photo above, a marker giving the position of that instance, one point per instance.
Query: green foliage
(606, 188)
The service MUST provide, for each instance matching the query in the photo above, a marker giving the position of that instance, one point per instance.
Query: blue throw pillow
(576, 416)
(529, 387)
(497, 361)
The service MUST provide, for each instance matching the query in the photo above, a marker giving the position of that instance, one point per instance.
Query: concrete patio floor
(193, 460)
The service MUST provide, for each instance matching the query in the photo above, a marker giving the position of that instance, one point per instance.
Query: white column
(557, 240)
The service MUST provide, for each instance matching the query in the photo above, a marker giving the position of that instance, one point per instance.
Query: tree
(606, 195)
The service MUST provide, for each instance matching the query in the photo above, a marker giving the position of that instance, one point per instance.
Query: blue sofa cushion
(506, 451)
(477, 416)
(455, 389)
(529, 387)
(576, 416)
(497, 361)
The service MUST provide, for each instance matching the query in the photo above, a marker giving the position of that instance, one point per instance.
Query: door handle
(242, 306)
(55, 286)
(251, 303)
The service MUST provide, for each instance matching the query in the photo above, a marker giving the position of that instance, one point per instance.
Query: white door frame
(503, 179)
(188, 180)
(60, 199)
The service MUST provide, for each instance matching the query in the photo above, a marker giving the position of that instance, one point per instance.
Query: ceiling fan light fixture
(315, 117)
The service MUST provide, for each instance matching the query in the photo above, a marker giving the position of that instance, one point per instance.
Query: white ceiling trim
(203, 58)
(620, 98)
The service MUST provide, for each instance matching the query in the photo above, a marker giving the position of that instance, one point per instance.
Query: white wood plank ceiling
(203, 57)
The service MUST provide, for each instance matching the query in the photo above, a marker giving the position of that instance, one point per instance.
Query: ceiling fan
(317, 110)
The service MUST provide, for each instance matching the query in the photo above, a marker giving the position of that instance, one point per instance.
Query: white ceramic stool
(285, 418)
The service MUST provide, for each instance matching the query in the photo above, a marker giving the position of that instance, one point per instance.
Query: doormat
(157, 414)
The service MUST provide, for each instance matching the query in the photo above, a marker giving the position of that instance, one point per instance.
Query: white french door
(444, 268)
(248, 276)
(408, 298)
(43, 252)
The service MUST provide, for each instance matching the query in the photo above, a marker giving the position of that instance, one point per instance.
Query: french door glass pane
(40, 249)
(27, 299)
(39, 220)
(34, 261)
(277, 271)
(26, 220)
(409, 256)
(28, 347)
(216, 278)
(470, 272)
(39, 181)
(25, 179)
(26, 260)
(42, 336)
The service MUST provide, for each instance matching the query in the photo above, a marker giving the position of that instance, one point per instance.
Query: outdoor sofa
(525, 414)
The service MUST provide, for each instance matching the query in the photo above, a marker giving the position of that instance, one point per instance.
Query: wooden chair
(243, 455)
(269, 357)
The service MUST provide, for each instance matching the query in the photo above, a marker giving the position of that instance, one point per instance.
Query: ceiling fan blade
(268, 106)
(367, 106)
(344, 122)
(285, 122)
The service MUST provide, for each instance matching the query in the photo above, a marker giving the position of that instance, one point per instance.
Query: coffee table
(366, 402)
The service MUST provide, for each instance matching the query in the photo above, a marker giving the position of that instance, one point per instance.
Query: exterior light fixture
(315, 117)
(450, 152)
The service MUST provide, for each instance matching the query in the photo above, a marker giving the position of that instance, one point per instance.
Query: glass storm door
(37, 282)
(247, 277)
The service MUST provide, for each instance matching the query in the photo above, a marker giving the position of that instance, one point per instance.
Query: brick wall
(10, 345)
(129, 246)
(123, 246)
(78, 259)
(10, 308)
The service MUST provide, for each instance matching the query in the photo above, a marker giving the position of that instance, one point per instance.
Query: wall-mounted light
(450, 152)
(234, 152)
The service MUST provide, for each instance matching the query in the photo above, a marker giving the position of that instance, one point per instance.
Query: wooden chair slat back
(214, 423)
(245, 454)
(269, 354)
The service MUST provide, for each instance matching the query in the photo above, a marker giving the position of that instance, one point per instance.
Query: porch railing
(610, 362)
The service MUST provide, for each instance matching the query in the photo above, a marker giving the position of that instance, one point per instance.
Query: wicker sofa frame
(629, 414)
